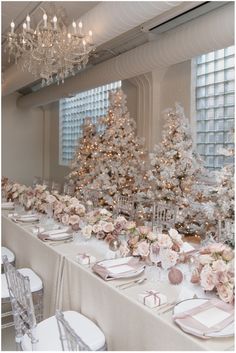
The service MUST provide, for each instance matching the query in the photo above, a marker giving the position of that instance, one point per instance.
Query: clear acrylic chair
(10, 255)
(36, 288)
(164, 216)
(56, 187)
(125, 206)
(93, 195)
(70, 341)
(225, 232)
(45, 336)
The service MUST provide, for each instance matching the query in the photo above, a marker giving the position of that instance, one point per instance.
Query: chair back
(56, 187)
(70, 341)
(164, 216)
(21, 302)
(225, 231)
(125, 206)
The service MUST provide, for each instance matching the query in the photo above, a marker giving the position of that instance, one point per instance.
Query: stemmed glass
(154, 257)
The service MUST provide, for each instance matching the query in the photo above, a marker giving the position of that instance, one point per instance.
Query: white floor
(8, 339)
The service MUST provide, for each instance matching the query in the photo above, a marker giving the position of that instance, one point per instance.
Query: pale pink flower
(217, 247)
(130, 225)
(175, 236)
(205, 259)
(144, 230)
(120, 220)
(219, 266)
(164, 241)
(151, 236)
(65, 219)
(124, 249)
(97, 228)
(87, 231)
(228, 254)
(108, 227)
(168, 257)
(80, 210)
(225, 292)
(15, 194)
(50, 198)
(208, 278)
(142, 249)
(74, 219)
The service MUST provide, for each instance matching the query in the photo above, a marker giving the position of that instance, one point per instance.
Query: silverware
(125, 284)
(59, 242)
(138, 282)
(168, 307)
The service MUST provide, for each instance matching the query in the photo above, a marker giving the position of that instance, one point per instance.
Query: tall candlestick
(55, 22)
(28, 22)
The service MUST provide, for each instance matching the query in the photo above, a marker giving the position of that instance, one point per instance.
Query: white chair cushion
(7, 252)
(35, 282)
(48, 333)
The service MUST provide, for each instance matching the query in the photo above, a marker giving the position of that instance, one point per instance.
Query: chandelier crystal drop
(50, 50)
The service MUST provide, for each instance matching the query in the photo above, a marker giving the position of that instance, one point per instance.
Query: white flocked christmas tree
(175, 167)
(116, 163)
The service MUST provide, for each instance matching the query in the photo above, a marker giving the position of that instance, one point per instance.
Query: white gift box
(85, 259)
(152, 298)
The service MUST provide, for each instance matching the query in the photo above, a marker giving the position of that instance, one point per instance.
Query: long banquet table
(127, 324)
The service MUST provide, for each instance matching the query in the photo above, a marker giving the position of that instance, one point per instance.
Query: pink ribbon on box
(85, 256)
(150, 293)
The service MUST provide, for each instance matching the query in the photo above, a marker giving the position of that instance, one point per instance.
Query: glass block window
(215, 105)
(72, 112)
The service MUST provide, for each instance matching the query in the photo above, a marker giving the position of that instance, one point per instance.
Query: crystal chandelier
(50, 50)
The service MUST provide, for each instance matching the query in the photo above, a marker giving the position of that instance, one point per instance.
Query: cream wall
(30, 138)
(22, 141)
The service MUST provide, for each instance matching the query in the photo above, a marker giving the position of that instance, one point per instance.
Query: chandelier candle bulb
(74, 26)
(45, 17)
(12, 27)
(55, 22)
(28, 22)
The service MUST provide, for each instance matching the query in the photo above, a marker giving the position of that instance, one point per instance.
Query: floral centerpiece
(215, 270)
(99, 223)
(13, 191)
(142, 241)
(67, 210)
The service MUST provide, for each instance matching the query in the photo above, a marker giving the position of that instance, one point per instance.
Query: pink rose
(108, 227)
(97, 228)
(50, 198)
(144, 230)
(74, 219)
(151, 236)
(121, 220)
(225, 292)
(219, 266)
(142, 249)
(80, 210)
(164, 241)
(208, 278)
(175, 236)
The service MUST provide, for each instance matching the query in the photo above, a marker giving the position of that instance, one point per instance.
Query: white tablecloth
(126, 323)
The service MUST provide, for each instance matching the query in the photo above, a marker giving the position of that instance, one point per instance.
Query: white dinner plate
(8, 205)
(188, 304)
(26, 220)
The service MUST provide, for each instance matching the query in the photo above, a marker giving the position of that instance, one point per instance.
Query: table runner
(126, 323)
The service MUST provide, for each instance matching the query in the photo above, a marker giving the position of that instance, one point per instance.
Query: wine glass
(154, 257)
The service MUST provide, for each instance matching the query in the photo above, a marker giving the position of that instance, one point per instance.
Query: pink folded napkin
(189, 322)
(117, 268)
